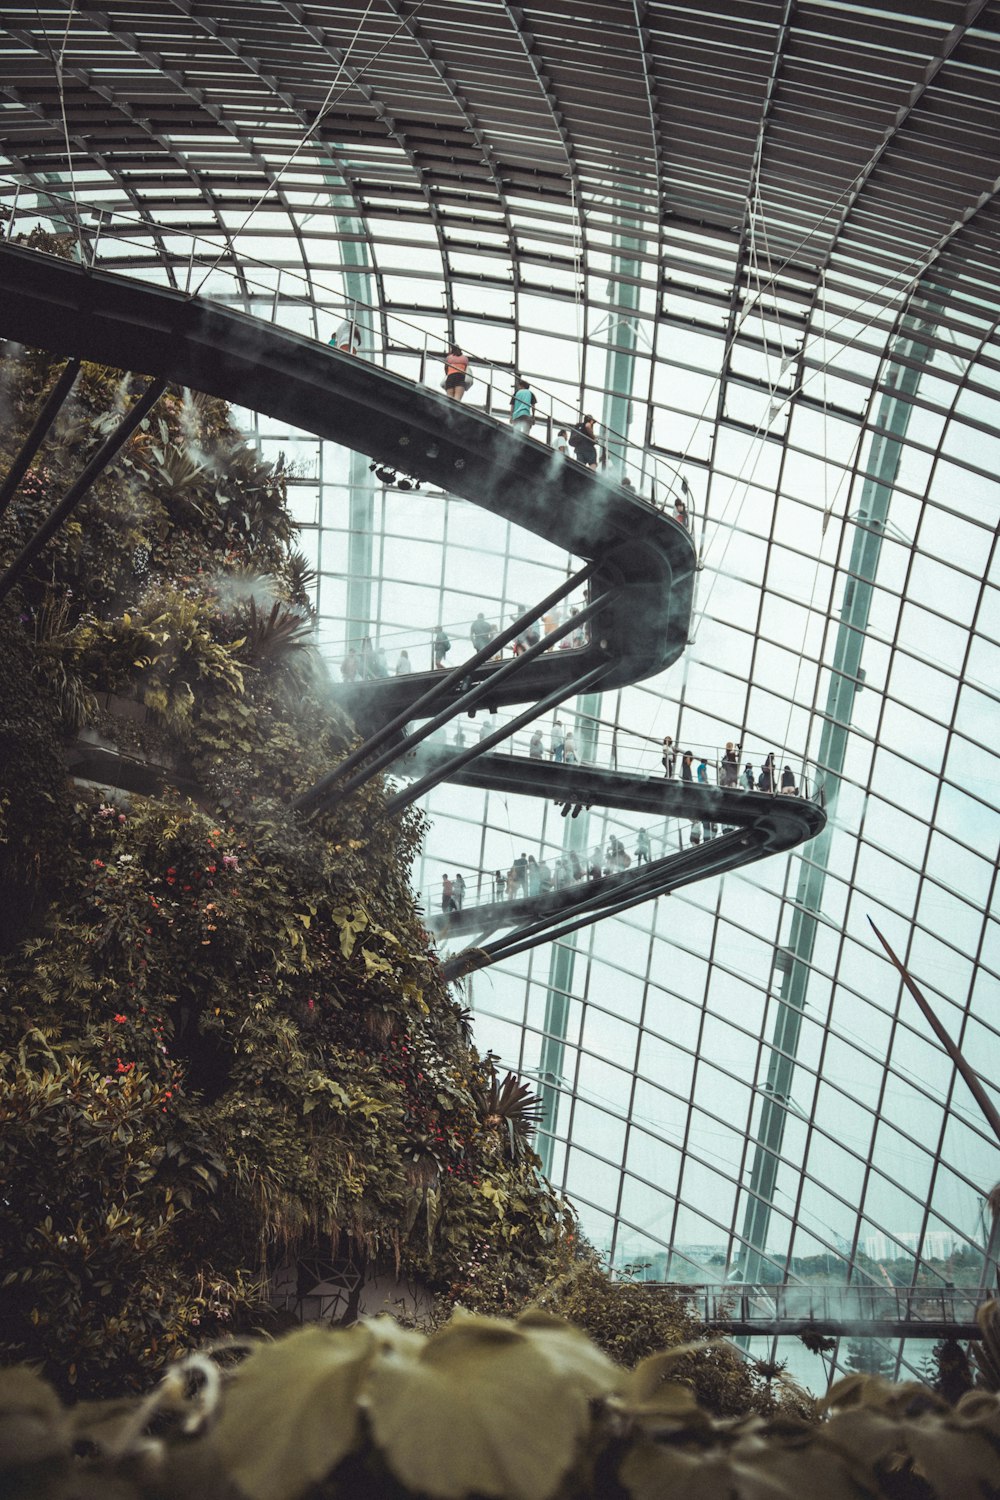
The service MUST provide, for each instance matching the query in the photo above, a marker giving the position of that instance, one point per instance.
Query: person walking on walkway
(788, 787)
(668, 756)
(522, 407)
(583, 442)
(569, 750)
(459, 891)
(703, 772)
(687, 766)
(642, 847)
(482, 632)
(403, 664)
(557, 744)
(447, 894)
(748, 782)
(455, 379)
(442, 645)
(536, 746)
(349, 666)
(730, 764)
(347, 337)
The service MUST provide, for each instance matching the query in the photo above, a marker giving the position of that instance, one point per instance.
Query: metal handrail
(614, 751)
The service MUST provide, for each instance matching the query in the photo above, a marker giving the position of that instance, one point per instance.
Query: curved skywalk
(646, 559)
(753, 825)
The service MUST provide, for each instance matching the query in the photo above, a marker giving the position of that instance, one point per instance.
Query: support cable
(60, 84)
(321, 113)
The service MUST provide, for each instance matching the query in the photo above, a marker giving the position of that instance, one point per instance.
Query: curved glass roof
(760, 241)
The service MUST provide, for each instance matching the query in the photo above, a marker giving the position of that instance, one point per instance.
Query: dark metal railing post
(75, 494)
(42, 423)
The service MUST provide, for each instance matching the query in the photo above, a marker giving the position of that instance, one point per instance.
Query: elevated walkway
(886, 1312)
(641, 562)
(753, 824)
(647, 560)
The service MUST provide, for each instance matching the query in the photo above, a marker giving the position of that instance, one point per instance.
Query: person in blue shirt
(703, 771)
(522, 407)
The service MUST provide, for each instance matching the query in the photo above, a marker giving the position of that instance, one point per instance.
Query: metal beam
(100, 461)
(36, 436)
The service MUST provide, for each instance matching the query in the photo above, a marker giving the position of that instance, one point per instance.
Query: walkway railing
(550, 868)
(745, 1304)
(635, 753)
(288, 298)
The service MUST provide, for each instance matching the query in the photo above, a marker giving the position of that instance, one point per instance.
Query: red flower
(98, 864)
(121, 1020)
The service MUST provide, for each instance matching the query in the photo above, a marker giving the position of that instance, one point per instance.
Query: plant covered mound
(484, 1408)
(224, 1042)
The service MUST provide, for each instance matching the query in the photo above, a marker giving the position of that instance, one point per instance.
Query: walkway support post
(100, 461)
(40, 427)
(381, 736)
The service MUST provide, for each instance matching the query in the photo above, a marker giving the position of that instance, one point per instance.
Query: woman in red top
(455, 365)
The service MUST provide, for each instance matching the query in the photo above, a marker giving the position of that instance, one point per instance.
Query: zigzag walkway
(641, 563)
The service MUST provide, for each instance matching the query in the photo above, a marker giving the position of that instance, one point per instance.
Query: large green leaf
(291, 1414)
(753, 1469)
(33, 1426)
(486, 1408)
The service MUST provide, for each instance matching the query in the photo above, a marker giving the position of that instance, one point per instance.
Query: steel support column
(845, 679)
(619, 377)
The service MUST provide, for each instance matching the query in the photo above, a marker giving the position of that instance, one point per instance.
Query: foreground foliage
(528, 1410)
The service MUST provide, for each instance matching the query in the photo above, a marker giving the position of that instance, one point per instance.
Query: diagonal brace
(475, 695)
(40, 427)
(441, 773)
(101, 459)
(433, 694)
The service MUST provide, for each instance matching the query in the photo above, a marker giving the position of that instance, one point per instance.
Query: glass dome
(760, 243)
